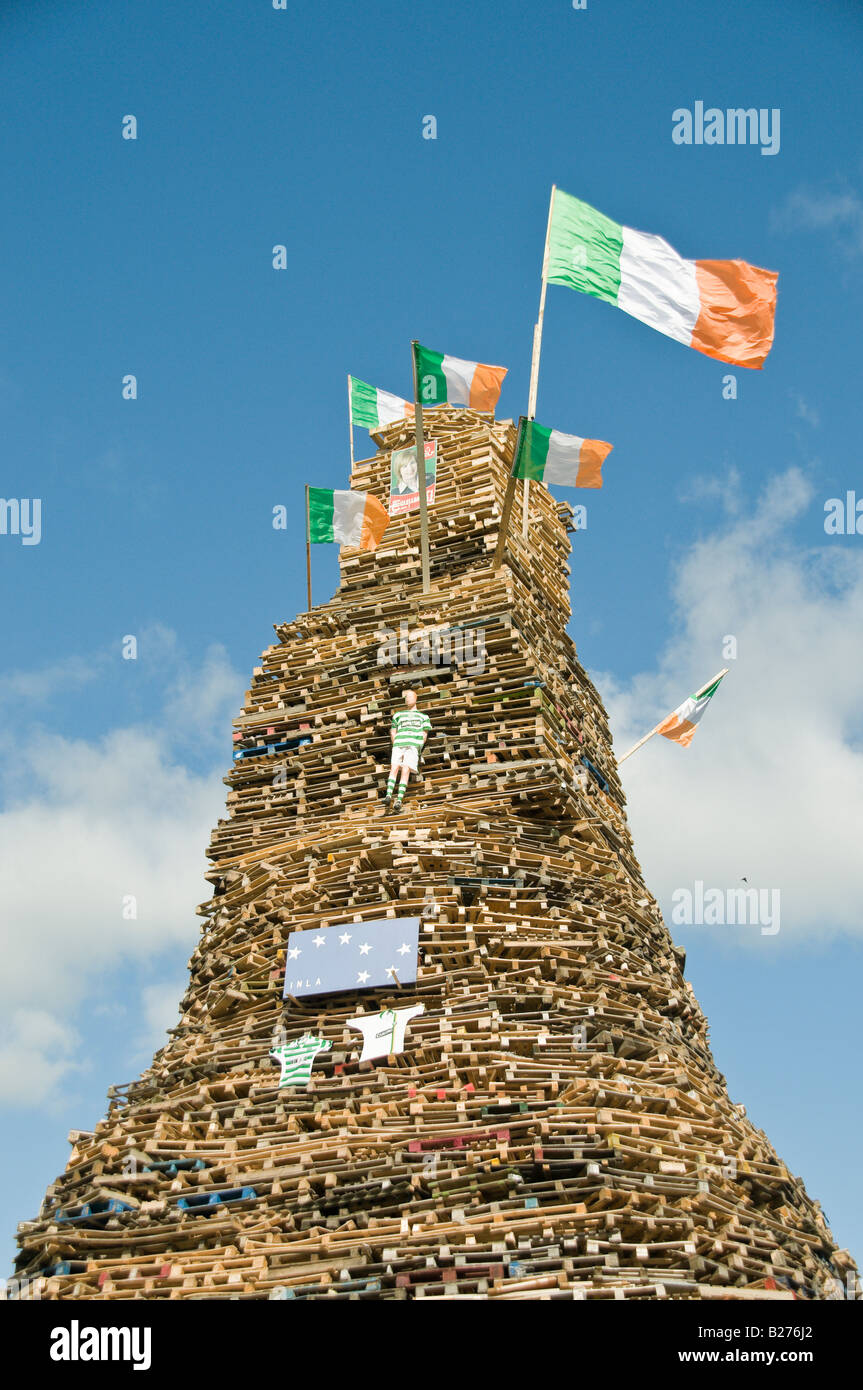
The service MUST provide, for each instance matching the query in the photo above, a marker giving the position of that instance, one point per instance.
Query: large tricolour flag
(442, 379)
(372, 407)
(566, 459)
(723, 308)
(354, 518)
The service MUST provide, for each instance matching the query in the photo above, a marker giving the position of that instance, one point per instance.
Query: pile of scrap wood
(554, 1125)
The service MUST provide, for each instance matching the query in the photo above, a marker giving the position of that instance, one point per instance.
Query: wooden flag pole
(537, 349)
(421, 472)
(308, 550)
(508, 499)
(350, 422)
(635, 747)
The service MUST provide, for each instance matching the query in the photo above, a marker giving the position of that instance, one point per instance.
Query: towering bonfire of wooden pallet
(555, 1126)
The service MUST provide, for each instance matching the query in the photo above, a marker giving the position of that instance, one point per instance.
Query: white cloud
(805, 411)
(838, 212)
(87, 824)
(199, 698)
(708, 487)
(36, 1055)
(772, 785)
(42, 686)
(161, 1010)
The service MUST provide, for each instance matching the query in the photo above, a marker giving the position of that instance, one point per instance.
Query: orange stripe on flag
(738, 306)
(375, 520)
(485, 387)
(592, 456)
(678, 730)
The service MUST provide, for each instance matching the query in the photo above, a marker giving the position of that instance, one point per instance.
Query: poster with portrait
(404, 482)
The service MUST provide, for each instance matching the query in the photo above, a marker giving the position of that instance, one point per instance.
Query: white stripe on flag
(390, 407)
(348, 510)
(459, 377)
(657, 285)
(564, 455)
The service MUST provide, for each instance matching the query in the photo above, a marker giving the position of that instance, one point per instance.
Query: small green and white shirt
(411, 727)
(297, 1059)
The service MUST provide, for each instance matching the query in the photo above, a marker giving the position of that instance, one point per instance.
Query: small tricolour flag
(566, 459)
(353, 518)
(449, 380)
(373, 408)
(680, 724)
(725, 309)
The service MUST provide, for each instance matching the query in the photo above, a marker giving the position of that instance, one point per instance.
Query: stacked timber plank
(555, 1126)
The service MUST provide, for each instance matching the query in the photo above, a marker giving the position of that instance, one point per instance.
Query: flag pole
(537, 348)
(508, 499)
(350, 422)
(421, 471)
(635, 747)
(308, 551)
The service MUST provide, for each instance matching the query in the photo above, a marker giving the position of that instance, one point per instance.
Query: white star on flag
(293, 953)
(362, 977)
(343, 940)
(319, 940)
(404, 949)
(365, 948)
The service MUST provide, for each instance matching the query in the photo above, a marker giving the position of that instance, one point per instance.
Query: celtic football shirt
(298, 1058)
(411, 727)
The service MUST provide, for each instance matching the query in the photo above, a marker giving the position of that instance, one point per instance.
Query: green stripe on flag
(431, 382)
(533, 453)
(364, 404)
(321, 504)
(584, 248)
(711, 690)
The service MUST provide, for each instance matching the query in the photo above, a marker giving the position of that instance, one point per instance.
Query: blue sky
(303, 127)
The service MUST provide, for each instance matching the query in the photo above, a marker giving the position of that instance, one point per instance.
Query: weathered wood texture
(556, 1126)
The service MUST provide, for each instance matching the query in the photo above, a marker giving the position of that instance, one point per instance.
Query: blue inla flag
(357, 955)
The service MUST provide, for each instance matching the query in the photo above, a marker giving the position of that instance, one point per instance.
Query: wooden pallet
(556, 1127)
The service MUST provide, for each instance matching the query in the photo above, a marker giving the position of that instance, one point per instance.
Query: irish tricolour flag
(353, 518)
(373, 408)
(552, 457)
(723, 308)
(442, 380)
(680, 724)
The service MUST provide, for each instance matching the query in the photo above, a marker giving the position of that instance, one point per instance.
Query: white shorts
(405, 757)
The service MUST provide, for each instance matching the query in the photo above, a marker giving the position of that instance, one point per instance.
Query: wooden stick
(350, 422)
(534, 361)
(537, 332)
(700, 691)
(308, 551)
(421, 472)
(509, 498)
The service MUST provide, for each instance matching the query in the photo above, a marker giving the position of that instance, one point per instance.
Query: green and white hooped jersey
(411, 727)
(297, 1059)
